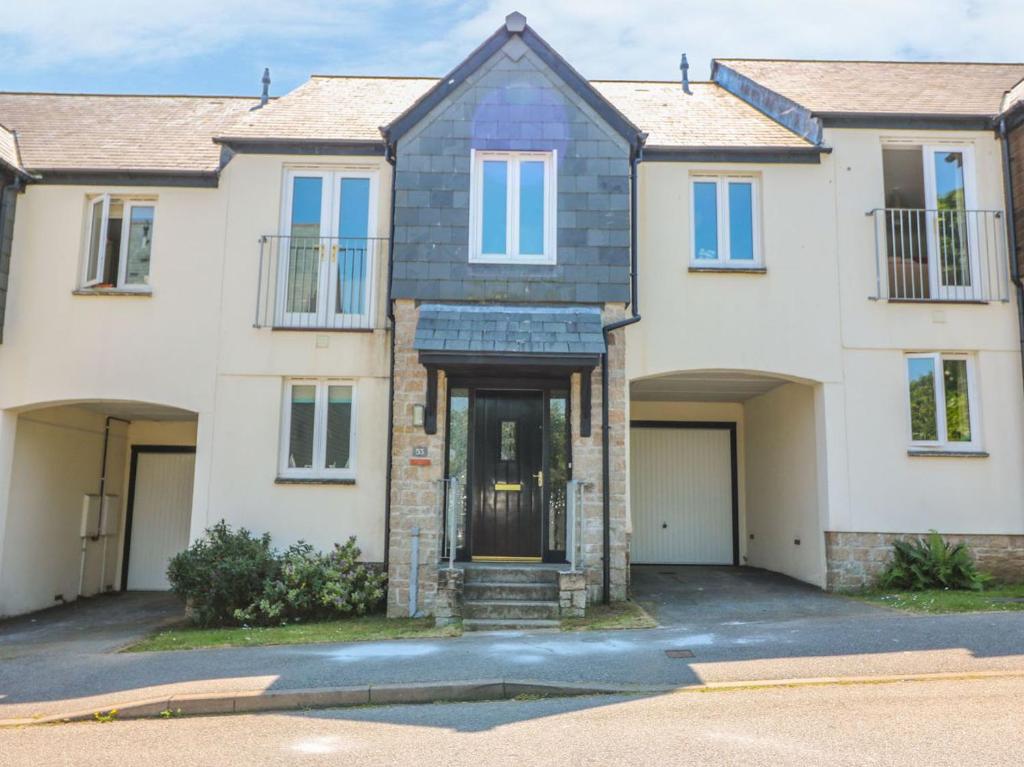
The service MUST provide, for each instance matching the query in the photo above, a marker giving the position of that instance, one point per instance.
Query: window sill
(314, 480)
(514, 260)
(316, 329)
(728, 269)
(111, 292)
(922, 453)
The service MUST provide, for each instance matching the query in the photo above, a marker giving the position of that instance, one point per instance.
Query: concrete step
(477, 624)
(500, 591)
(510, 610)
(510, 574)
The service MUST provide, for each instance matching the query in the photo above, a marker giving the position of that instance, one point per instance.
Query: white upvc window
(119, 243)
(725, 221)
(513, 207)
(318, 429)
(942, 393)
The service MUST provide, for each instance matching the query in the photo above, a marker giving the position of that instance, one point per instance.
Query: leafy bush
(931, 563)
(230, 577)
(311, 585)
(222, 572)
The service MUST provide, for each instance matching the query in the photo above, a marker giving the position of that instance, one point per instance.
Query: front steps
(501, 596)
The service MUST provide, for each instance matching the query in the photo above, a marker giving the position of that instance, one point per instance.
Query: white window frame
(330, 210)
(127, 203)
(476, 193)
(725, 260)
(319, 469)
(942, 444)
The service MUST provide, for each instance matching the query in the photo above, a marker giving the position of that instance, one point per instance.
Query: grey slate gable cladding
(8, 203)
(509, 329)
(512, 102)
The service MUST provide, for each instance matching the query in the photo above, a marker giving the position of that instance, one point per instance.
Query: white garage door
(161, 512)
(681, 496)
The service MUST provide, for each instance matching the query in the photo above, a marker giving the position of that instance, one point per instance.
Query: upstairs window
(725, 220)
(120, 243)
(943, 407)
(512, 210)
(318, 434)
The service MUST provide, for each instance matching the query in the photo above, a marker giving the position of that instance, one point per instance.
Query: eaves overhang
(809, 155)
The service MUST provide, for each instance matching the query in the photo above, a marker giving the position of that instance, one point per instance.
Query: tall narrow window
(120, 243)
(512, 207)
(326, 255)
(318, 428)
(942, 409)
(725, 221)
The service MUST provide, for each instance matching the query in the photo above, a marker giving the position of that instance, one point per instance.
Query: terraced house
(513, 329)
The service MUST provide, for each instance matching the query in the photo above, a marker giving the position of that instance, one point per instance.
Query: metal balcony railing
(321, 283)
(940, 255)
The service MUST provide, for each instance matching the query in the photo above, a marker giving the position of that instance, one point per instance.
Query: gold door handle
(539, 476)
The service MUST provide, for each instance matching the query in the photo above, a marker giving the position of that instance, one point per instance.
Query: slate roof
(509, 329)
(709, 117)
(64, 132)
(884, 87)
(9, 150)
(332, 108)
(1014, 96)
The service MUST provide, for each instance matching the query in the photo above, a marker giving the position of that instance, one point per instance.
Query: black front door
(508, 492)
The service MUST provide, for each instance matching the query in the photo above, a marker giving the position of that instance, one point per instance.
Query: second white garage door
(681, 495)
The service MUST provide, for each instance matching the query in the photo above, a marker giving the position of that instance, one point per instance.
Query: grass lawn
(997, 598)
(364, 628)
(617, 615)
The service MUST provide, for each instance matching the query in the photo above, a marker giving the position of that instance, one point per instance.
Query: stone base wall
(572, 594)
(414, 487)
(448, 605)
(587, 467)
(855, 559)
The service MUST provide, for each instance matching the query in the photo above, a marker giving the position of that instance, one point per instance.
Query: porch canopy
(508, 341)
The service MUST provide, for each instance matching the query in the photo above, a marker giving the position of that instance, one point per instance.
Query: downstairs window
(318, 430)
(942, 395)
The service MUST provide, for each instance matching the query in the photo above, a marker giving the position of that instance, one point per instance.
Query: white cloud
(601, 38)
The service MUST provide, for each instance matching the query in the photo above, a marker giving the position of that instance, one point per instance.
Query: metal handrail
(320, 283)
(933, 254)
(573, 518)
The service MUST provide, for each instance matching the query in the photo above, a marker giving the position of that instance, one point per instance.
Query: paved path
(972, 722)
(875, 643)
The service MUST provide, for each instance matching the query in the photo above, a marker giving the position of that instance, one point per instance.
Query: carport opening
(723, 471)
(100, 499)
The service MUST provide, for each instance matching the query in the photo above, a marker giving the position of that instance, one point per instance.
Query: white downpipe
(453, 520)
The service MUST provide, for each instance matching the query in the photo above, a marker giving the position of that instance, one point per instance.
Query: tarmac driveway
(681, 595)
(95, 625)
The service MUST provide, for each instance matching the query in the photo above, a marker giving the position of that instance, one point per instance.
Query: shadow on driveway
(680, 595)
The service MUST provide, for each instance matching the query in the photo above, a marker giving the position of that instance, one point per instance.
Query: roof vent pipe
(265, 96)
(684, 65)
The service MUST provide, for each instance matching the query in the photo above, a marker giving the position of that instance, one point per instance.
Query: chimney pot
(265, 96)
(684, 65)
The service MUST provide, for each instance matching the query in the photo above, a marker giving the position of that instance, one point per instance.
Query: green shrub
(931, 563)
(222, 572)
(310, 585)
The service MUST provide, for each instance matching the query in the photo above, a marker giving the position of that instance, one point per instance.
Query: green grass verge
(617, 615)
(995, 599)
(363, 628)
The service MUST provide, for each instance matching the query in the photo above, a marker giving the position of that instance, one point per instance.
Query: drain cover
(679, 653)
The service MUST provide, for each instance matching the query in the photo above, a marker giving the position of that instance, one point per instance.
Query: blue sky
(221, 46)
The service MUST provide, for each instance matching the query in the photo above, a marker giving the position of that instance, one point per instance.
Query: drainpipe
(1011, 234)
(103, 489)
(390, 156)
(636, 156)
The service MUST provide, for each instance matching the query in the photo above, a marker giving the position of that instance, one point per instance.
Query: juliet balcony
(321, 283)
(940, 255)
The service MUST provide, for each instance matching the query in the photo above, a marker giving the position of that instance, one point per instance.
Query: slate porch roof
(884, 87)
(509, 329)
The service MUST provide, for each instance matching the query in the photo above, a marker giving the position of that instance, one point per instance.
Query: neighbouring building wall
(784, 519)
(57, 458)
(1016, 147)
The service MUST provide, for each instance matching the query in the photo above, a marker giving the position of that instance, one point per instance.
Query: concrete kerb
(253, 701)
